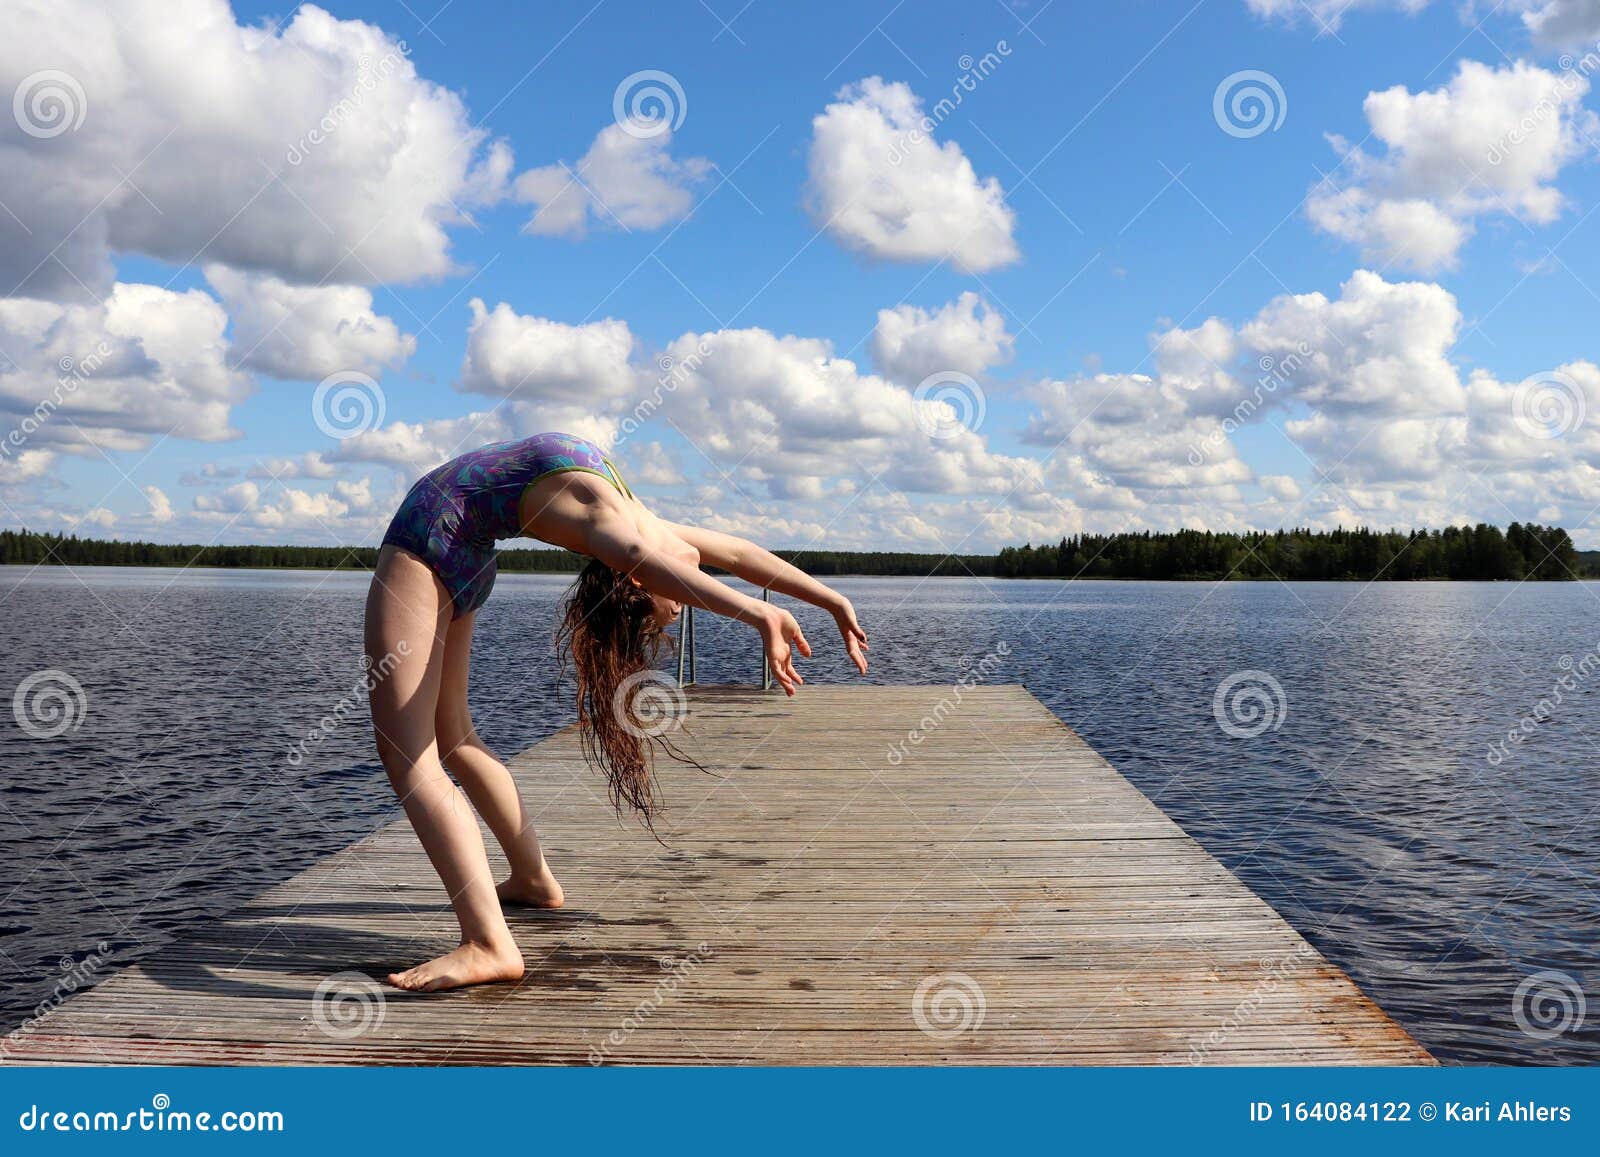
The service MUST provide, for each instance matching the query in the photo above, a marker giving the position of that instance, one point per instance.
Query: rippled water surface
(1371, 816)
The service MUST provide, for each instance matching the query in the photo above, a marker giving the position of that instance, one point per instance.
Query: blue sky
(1132, 213)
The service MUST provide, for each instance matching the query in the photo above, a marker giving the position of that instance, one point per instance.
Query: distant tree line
(1523, 551)
(31, 548)
(1465, 552)
(832, 562)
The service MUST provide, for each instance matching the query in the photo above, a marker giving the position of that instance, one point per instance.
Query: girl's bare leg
(487, 782)
(408, 617)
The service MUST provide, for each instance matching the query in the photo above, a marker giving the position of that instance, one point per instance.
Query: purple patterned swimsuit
(455, 513)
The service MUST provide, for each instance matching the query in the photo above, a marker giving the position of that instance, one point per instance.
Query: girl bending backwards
(434, 572)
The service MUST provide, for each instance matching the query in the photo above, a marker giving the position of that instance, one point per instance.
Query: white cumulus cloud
(625, 179)
(146, 364)
(1552, 23)
(306, 332)
(160, 505)
(511, 354)
(1492, 140)
(964, 336)
(882, 186)
(311, 151)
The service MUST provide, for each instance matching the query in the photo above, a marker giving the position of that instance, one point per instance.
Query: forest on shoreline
(31, 548)
(1482, 552)
(1479, 553)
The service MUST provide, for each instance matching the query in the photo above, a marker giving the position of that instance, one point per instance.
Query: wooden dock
(997, 895)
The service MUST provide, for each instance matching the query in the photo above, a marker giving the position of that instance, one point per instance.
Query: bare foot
(469, 964)
(544, 891)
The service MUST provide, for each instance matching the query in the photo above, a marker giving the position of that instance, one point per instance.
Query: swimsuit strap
(617, 480)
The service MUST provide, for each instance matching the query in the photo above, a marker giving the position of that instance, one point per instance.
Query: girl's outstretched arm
(615, 541)
(762, 568)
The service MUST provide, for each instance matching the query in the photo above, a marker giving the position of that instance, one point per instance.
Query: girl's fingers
(853, 649)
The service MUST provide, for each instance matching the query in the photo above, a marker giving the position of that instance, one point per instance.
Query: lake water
(1372, 816)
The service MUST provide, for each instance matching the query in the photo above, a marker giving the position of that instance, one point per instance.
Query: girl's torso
(489, 482)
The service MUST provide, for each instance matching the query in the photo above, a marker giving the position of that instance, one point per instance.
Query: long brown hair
(609, 635)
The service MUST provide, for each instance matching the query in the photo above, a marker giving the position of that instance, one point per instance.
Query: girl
(435, 570)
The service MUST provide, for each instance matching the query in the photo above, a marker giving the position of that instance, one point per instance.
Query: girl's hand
(781, 637)
(855, 639)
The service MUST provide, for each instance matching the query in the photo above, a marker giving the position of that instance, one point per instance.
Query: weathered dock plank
(998, 896)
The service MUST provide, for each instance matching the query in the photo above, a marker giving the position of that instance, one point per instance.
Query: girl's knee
(454, 733)
(399, 758)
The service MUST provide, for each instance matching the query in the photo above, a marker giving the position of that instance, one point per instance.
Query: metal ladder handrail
(686, 648)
